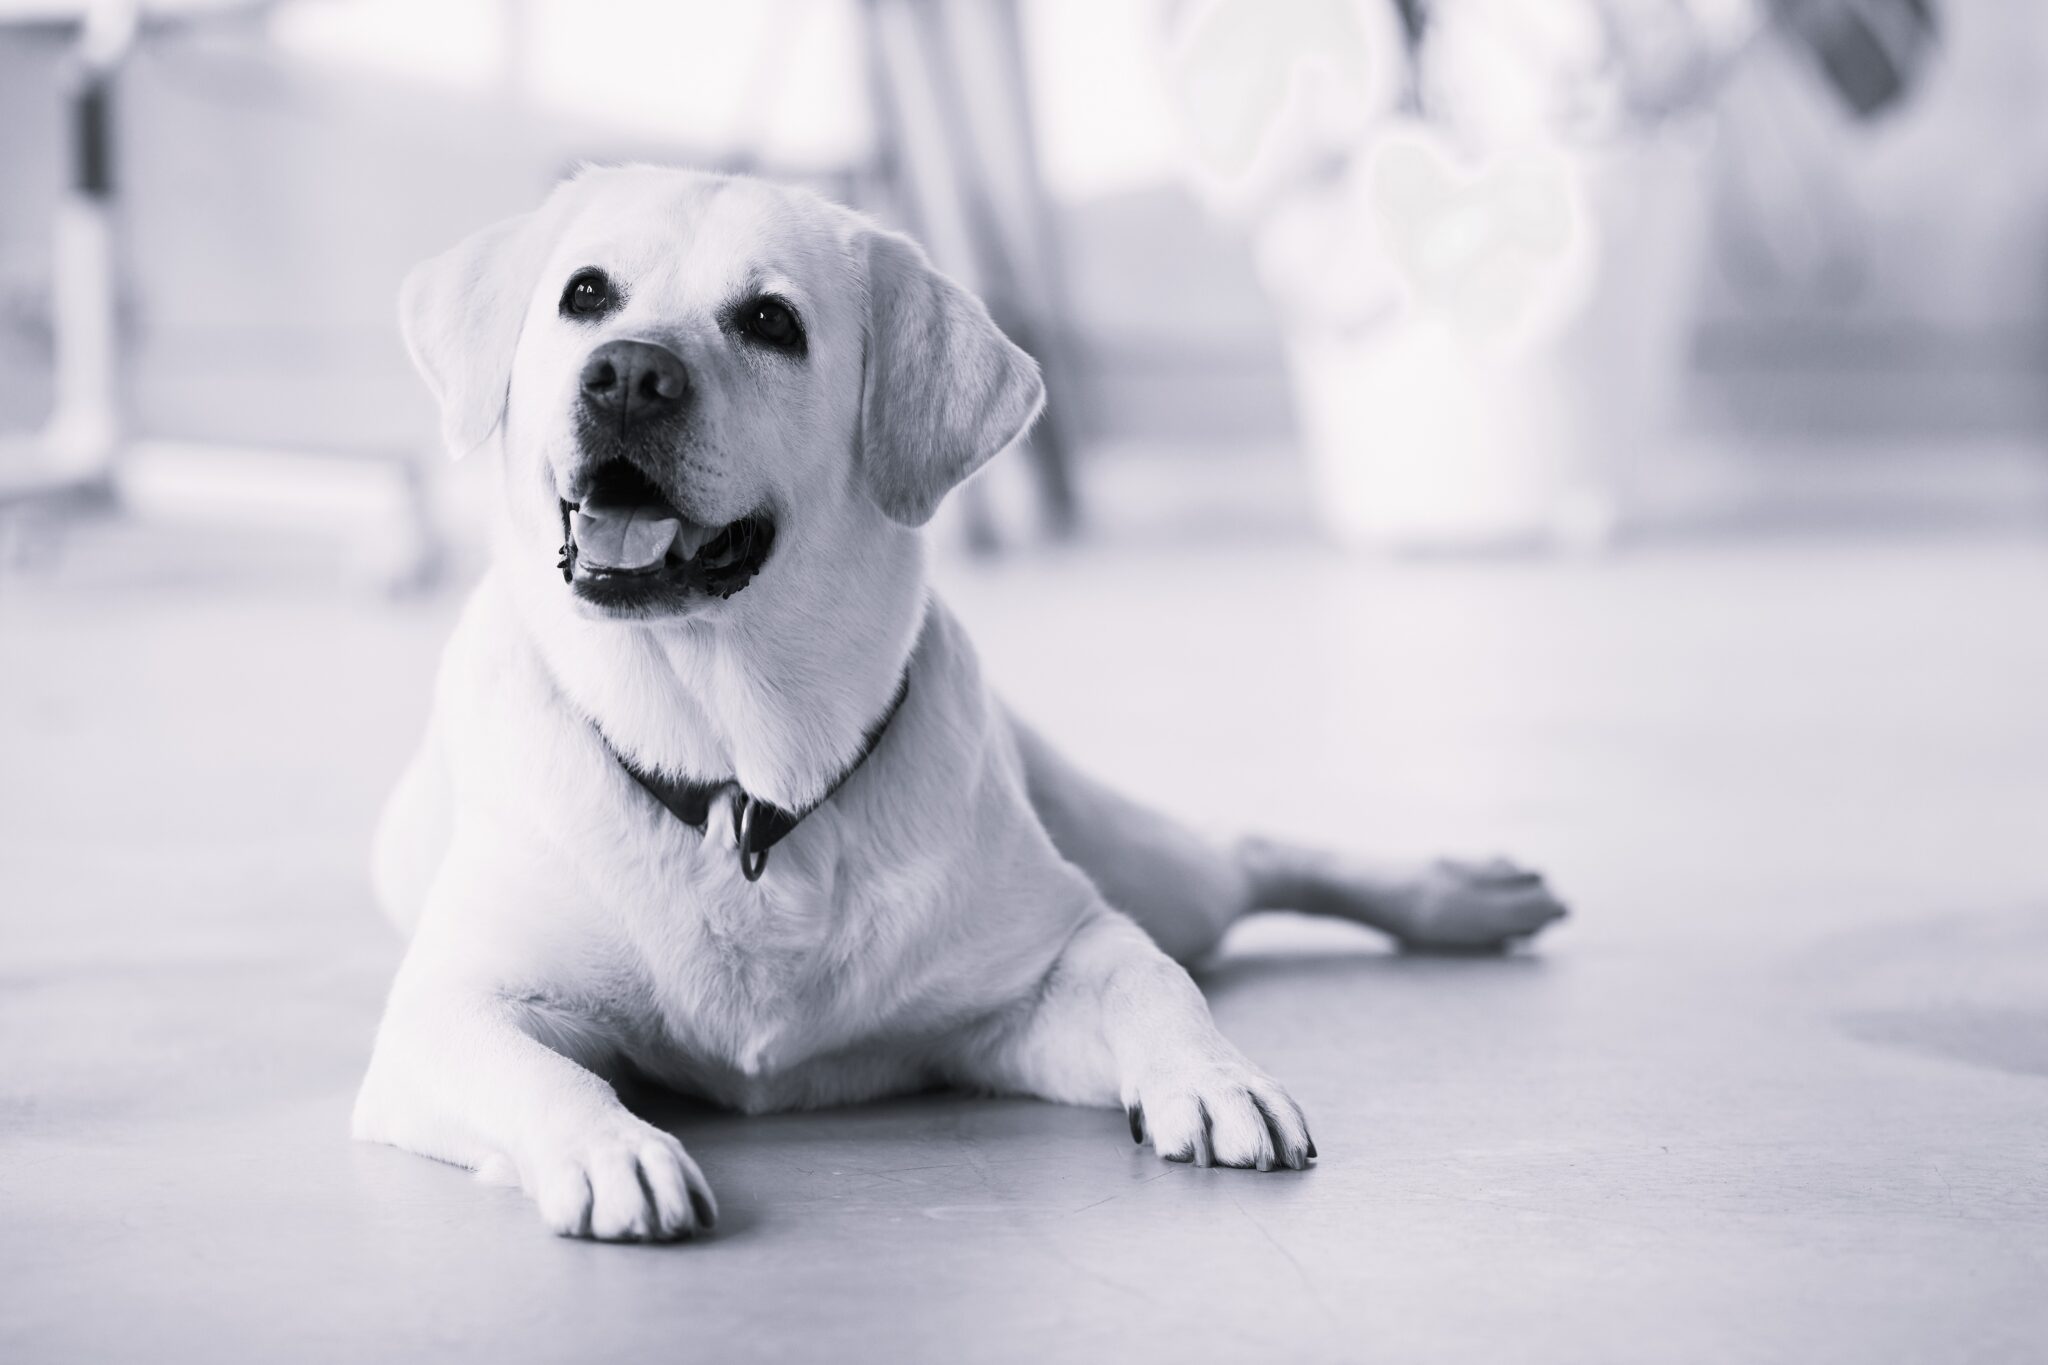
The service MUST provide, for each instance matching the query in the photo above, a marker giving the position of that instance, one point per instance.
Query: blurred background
(1613, 432)
(1404, 276)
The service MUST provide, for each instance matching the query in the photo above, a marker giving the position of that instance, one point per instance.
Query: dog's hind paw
(1456, 905)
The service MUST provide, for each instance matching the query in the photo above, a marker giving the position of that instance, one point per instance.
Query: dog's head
(694, 380)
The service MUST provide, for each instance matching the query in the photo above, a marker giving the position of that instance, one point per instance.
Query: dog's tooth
(690, 538)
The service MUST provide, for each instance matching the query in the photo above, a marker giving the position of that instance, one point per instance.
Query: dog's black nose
(635, 381)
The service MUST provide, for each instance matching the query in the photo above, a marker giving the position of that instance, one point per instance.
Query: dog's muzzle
(625, 544)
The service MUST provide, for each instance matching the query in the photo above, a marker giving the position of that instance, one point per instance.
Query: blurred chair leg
(85, 462)
(67, 465)
(955, 151)
(1030, 247)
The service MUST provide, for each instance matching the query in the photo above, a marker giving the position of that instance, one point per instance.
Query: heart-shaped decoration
(1498, 251)
(1237, 66)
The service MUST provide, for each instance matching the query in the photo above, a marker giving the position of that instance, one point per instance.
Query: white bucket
(1423, 436)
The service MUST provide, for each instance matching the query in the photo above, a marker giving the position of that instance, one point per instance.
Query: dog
(713, 794)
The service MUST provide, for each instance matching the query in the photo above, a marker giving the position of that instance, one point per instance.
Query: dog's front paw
(625, 1182)
(1220, 1112)
(1466, 906)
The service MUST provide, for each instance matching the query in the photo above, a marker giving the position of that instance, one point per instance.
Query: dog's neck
(779, 698)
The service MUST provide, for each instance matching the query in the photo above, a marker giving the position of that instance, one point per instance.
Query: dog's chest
(751, 989)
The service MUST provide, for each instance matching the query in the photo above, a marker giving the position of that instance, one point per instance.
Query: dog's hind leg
(1185, 889)
(1181, 887)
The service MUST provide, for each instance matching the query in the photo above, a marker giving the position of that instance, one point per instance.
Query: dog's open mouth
(626, 545)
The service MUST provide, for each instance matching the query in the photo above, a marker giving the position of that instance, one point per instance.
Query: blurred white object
(1528, 371)
(1487, 296)
(1269, 91)
(1498, 71)
(374, 510)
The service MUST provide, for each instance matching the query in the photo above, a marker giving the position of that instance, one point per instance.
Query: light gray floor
(1776, 1094)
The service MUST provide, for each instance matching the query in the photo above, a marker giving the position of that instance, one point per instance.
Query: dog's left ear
(461, 313)
(944, 389)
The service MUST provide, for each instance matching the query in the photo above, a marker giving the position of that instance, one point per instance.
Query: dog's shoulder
(488, 649)
(508, 731)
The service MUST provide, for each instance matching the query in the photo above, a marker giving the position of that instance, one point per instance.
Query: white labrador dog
(714, 795)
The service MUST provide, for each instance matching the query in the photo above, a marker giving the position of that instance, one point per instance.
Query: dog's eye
(589, 294)
(773, 323)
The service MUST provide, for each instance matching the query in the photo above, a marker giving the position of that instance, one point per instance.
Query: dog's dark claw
(706, 1219)
(1311, 1149)
(1137, 1118)
(1280, 1152)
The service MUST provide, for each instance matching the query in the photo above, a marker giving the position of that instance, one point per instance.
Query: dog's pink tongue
(627, 539)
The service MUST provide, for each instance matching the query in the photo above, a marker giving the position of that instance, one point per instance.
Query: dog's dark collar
(759, 825)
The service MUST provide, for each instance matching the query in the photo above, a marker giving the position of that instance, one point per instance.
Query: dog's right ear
(461, 313)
